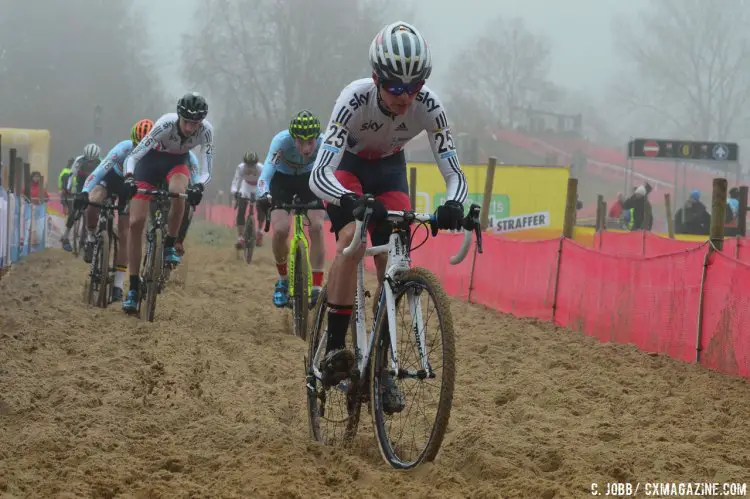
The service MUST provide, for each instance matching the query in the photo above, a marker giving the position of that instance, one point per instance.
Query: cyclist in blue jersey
(107, 180)
(286, 172)
(82, 167)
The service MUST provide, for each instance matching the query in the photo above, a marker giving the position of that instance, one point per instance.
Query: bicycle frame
(399, 260)
(299, 237)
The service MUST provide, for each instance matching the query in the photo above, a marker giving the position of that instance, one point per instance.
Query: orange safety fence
(725, 343)
(650, 302)
(630, 287)
(653, 302)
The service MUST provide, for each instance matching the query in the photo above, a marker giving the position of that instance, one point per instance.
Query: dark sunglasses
(398, 88)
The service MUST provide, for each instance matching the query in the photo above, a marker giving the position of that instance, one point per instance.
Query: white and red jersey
(165, 137)
(246, 179)
(361, 125)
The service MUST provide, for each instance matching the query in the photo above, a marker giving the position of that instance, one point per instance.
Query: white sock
(119, 279)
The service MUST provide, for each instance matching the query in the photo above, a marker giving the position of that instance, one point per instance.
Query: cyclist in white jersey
(162, 157)
(372, 121)
(244, 185)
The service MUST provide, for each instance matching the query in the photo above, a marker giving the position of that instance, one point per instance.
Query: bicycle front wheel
(300, 300)
(409, 422)
(152, 275)
(76, 234)
(94, 280)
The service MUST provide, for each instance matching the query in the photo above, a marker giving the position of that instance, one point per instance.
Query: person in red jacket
(615, 210)
(37, 192)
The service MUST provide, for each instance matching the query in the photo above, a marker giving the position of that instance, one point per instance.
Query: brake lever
(471, 222)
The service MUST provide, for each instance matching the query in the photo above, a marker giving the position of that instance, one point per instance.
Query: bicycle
(101, 276)
(300, 276)
(79, 233)
(371, 349)
(155, 271)
(249, 230)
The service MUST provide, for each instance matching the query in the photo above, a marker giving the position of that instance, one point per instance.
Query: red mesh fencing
(725, 342)
(517, 277)
(619, 243)
(649, 302)
(435, 255)
(614, 294)
(658, 245)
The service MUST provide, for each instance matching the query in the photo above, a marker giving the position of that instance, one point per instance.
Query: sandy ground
(208, 401)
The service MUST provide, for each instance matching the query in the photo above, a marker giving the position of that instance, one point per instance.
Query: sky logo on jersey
(359, 100)
(372, 125)
(424, 97)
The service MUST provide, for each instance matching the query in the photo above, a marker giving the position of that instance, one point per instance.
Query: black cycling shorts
(115, 186)
(284, 187)
(157, 167)
(384, 178)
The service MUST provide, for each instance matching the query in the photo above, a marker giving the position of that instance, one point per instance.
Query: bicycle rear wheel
(399, 449)
(102, 264)
(249, 236)
(300, 300)
(152, 275)
(333, 412)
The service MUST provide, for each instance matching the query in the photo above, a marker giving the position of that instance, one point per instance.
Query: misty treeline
(685, 71)
(58, 60)
(261, 62)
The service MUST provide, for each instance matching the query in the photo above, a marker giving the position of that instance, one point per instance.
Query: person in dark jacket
(642, 217)
(693, 217)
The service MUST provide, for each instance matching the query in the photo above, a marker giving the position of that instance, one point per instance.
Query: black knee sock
(338, 322)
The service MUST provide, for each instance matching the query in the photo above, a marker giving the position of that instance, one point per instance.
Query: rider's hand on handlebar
(81, 201)
(131, 186)
(195, 194)
(356, 205)
(264, 202)
(450, 216)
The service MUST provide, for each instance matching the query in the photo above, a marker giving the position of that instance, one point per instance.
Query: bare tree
(58, 62)
(689, 69)
(260, 62)
(504, 68)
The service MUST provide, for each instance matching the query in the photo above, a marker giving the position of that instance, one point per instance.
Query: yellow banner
(33, 147)
(528, 202)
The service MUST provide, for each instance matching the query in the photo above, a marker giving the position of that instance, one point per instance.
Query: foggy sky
(580, 32)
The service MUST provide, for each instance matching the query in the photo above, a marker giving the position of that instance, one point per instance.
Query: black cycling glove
(351, 203)
(450, 216)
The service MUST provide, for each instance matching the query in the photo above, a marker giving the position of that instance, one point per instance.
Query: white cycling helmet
(91, 151)
(399, 53)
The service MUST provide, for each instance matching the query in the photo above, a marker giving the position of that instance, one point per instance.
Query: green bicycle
(300, 277)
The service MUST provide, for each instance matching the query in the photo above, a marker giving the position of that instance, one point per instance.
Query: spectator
(693, 217)
(37, 193)
(641, 216)
(733, 206)
(615, 211)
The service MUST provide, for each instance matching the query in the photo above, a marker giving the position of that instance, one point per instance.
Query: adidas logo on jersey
(402, 128)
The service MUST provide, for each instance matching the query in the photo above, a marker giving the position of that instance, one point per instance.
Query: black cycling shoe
(88, 252)
(336, 367)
